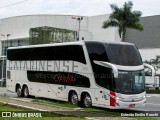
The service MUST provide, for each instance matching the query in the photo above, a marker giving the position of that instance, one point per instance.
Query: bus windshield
(126, 55)
(129, 82)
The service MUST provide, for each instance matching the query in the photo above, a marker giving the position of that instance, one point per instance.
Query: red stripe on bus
(112, 100)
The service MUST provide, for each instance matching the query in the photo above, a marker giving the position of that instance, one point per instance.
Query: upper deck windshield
(126, 55)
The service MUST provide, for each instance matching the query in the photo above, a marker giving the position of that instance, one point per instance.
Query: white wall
(95, 27)
(91, 27)
(148, 54)
(19, 26)
(86, 35)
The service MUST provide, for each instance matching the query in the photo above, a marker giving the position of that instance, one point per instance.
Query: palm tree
(123, 18)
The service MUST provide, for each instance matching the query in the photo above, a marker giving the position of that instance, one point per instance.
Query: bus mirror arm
(109, 65)
(151, 68)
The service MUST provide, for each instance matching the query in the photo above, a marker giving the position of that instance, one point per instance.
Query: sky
(10, 8)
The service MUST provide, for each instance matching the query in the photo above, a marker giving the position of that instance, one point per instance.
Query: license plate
(132, 105)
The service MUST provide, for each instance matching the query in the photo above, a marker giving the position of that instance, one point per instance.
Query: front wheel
(86, 100)
(25, 91)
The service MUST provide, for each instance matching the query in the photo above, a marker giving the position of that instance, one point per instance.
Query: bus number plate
(132, 105)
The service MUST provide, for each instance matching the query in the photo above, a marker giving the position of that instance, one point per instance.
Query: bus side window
(103, 75)
(61, 53)
(77, 54)
(97, 52)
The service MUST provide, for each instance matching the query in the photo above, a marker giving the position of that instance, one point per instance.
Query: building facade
(21, 30)
(148, 41)
(15, 31)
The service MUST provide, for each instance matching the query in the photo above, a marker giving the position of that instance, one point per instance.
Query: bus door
(42, 90)
(33, 88)
(11, 78)
(61, 91)
(96, 96)
(101, 97)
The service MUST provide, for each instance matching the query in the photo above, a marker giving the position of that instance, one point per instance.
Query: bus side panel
(52, 91)
(33, 88)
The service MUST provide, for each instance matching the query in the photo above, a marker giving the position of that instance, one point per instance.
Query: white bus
(102, 74)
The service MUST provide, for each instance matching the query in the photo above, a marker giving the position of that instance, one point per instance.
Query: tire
(86, 100)
(74, 98)
(25, 92)
(19, 91)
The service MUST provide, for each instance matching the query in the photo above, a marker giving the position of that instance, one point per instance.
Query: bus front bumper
(126, 105)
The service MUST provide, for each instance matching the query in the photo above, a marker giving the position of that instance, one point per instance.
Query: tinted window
(61, 78)
(76, 53)
(127, 55)
(68, 52)
(97, 51)
(103, 75)
(130, 82)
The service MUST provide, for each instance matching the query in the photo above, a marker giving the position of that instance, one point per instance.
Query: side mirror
(109, 65)
(151, 68)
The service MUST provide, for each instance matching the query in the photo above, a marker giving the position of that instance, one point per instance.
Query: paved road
(152, 104)
(153, 100)
(4, 92)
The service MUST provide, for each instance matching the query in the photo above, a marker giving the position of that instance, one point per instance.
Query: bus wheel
(19, 91)
(74, 98)
(86, 100)
(25, 91)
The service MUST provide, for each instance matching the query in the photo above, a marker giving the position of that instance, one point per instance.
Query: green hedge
(153, 91)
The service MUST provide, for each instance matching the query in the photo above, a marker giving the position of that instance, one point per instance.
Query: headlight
(117, 98)
(144, 97)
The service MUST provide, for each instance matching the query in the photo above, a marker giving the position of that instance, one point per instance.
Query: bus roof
(70, 43)
(110, 42)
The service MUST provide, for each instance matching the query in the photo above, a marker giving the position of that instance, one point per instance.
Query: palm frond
(128, 5)
(137, 26)
(110, 23)
(118, 14)
(114, 7)
(137, 13)
(123, 18)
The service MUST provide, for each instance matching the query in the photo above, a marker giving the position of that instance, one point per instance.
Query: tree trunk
(123, 34)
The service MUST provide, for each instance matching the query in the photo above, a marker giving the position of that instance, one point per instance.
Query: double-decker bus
(103, 74)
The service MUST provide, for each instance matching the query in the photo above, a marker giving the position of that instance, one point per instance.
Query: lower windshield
(129, 82)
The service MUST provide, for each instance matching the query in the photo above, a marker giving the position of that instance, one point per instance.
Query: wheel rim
(74, 99)
(87, 101)
(26, 92)
(19, 91)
